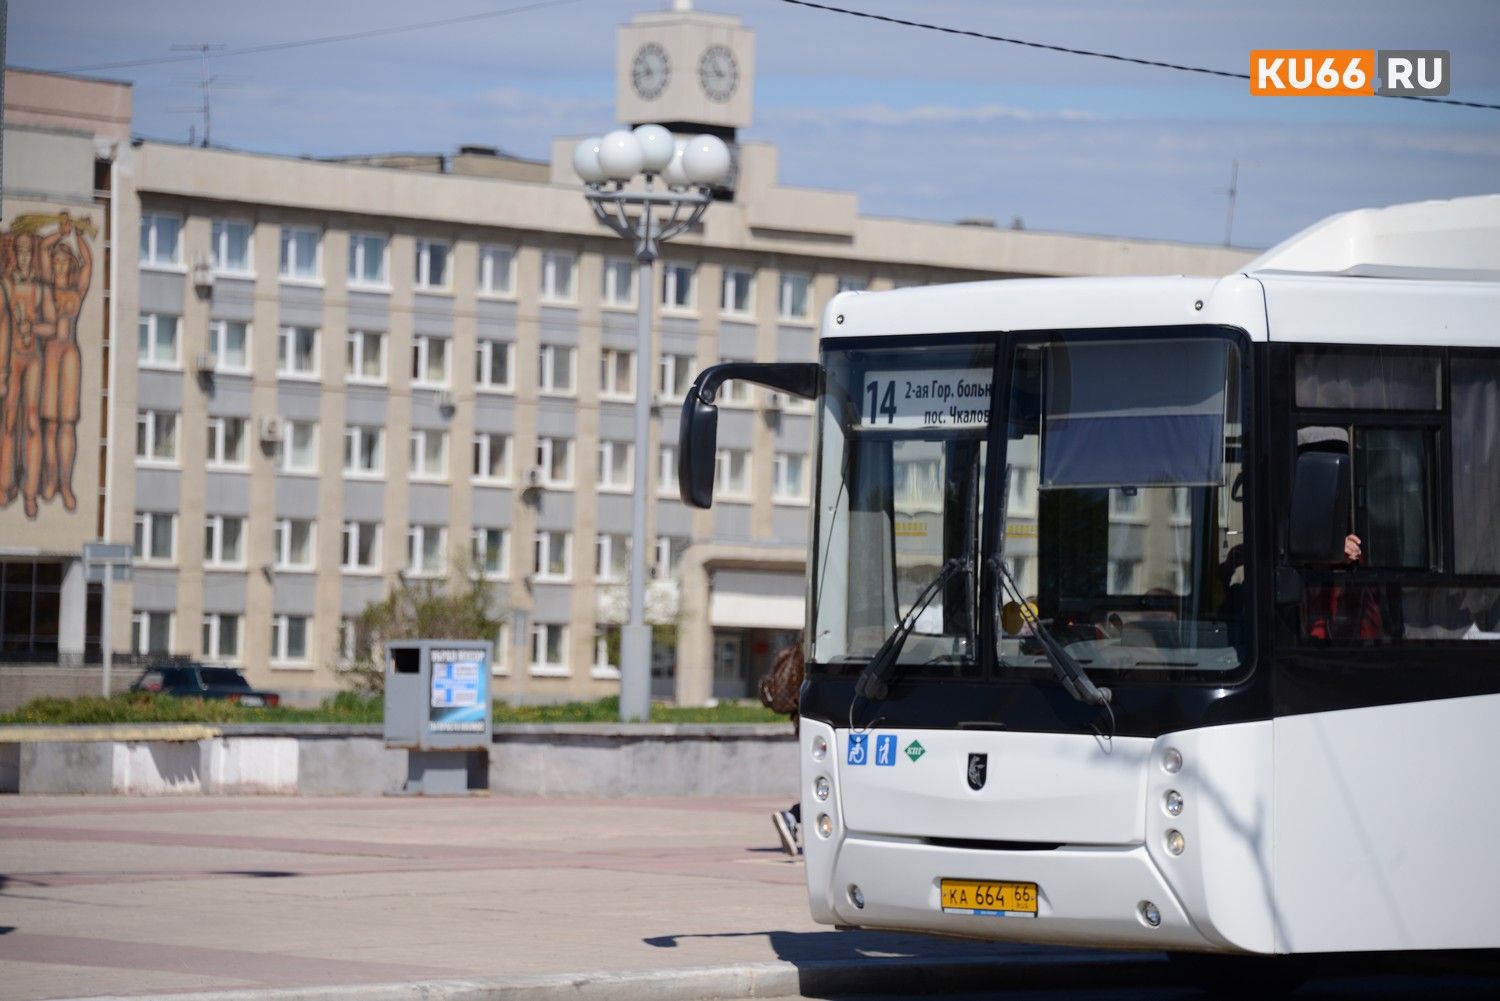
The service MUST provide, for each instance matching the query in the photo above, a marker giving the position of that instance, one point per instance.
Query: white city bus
(1087, 661)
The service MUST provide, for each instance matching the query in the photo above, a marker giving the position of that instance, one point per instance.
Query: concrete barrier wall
(582, 760)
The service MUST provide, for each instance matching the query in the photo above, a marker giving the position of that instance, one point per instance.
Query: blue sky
(920, 124)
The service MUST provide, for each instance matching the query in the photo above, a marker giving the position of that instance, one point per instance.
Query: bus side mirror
(697, 450)
(1320, 508)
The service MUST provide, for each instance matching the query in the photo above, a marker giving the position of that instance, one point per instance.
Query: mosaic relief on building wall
(46, 268)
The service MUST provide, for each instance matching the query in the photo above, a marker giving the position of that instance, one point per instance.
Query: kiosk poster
(459, 699)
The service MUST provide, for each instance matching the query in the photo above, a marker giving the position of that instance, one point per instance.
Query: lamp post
(687, 170)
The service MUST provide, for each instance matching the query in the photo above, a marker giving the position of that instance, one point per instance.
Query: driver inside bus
(1339, 612)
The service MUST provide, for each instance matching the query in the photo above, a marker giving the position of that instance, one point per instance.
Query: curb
(751, 980)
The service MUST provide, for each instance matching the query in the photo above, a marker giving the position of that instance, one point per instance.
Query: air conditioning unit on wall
(534, 477)
(271, 429)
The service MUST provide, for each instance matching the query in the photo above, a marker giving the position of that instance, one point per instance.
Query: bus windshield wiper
(1072, 675)
(874, 681)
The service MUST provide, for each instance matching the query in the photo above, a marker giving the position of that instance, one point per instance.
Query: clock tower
(689, 70)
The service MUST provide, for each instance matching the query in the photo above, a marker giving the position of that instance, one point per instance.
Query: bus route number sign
(928, 398)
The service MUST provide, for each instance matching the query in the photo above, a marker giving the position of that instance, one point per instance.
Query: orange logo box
(1312, 72)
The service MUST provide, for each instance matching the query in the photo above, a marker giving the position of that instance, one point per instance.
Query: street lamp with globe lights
(687, 170)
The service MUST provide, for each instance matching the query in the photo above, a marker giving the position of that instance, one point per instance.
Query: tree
(460, 607)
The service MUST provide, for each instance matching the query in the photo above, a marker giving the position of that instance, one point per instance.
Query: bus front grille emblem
(978, 768)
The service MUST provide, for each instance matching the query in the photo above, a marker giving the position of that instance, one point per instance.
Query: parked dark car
(187, 681)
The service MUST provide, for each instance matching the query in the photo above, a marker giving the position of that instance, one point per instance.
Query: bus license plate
(968, 896)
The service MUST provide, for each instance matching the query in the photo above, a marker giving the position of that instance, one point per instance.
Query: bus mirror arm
(698, 431)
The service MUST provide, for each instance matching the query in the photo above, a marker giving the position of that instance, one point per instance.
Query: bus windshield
(1115, 505)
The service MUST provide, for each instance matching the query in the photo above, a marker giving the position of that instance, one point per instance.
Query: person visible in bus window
(1344, 613)
(1341, 612)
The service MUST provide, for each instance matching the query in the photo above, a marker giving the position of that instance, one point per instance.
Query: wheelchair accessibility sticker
(859, 748)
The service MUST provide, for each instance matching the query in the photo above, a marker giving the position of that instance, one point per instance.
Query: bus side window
(1393, 498)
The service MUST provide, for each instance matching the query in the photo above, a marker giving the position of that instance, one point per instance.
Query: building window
(612, 558)
(432, 264)
(354, 640)
(790, 483)
(497, 270)
(669, 550)
(301, 254)
(364, 356)
(847, 284)
(606, 651)
(1125, 505)
(555, 369)
(494, 361)
(292, 544)
(1124, 576)
(492, 457)
(231, 247)
(151, 633)
(666, 469)
(229, 345)
(549, 649)
(554, 555)
(616, 465)
(226, 442)
(156, 436)
(361, 546)
(221, 636)
(289, 635)
(160, 339)
(429, 454)
(155, 537)
(793, 301)
(364, 450)
(223, 540)
(732, 477)
(676, 375)
(617, 374)
(557, 276)
(297, 452)
(297, 352)
(555, 458)
(161, 240)
(367, 259)
(425, 546)
(619, 282)
(429, 360)
(738, 297)
(679, 286)
(492, 551)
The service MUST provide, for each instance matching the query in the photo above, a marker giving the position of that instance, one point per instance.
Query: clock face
(718, 73)
(651, 70)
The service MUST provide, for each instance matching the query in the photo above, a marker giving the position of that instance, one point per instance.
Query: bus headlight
(1176, 843)
(819, 747)
(825, 825)
(821, 788)
(1172, 803)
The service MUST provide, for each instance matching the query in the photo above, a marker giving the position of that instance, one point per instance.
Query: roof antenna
(207, 80)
